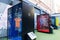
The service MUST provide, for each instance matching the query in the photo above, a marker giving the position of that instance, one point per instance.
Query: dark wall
(27, 19)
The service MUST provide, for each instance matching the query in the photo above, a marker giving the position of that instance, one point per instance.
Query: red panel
(43, 23)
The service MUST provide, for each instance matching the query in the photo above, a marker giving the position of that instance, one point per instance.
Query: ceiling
(52, 5)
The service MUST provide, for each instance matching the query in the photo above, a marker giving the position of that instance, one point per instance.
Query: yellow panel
(57, 21)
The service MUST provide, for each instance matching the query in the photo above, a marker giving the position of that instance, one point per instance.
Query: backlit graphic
(58, 21)
(17, 22)
(43, 23)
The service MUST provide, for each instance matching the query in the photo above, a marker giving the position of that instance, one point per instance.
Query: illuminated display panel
(15, 22)
(43, 23)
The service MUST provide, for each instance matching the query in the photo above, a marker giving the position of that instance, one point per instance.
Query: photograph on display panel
(43, 23)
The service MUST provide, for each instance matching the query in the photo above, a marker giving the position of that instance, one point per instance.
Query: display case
(58, 21)
(15, 22)
(53, 21)
(44, 23)
(20, 21)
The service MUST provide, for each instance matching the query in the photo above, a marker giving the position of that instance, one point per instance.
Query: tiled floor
(45, 36)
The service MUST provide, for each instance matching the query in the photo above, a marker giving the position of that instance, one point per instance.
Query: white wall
(3, 19)
(3, 15)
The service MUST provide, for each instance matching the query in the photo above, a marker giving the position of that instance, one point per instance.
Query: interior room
(29, 19)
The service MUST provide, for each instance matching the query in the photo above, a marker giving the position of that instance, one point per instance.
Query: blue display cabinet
(20, 21)
(15, 22)
(53, 21)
